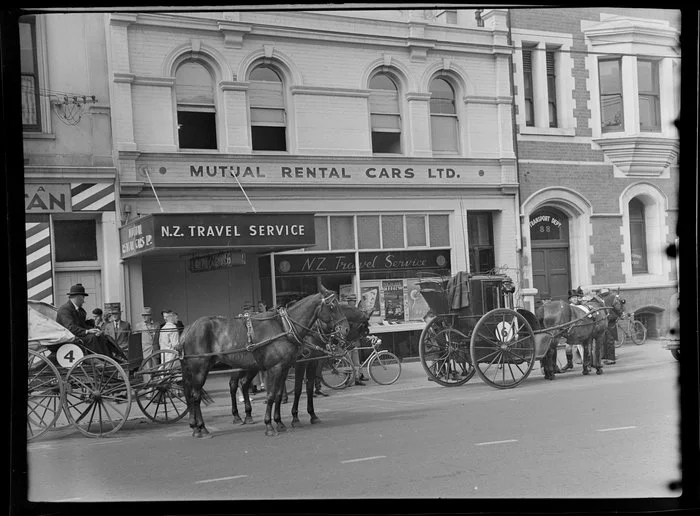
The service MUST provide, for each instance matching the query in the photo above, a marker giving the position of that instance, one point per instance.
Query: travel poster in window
(346, 292)
(369, 290)
(417, 306)
(393, 300)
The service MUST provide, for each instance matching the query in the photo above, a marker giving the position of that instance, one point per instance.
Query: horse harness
(288, 324)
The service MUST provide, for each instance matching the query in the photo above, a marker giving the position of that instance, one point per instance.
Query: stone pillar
(528, 295)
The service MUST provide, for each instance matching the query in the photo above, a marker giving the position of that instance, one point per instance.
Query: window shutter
(262, 116)
(527, 61)
(550, 62)
(391, 123)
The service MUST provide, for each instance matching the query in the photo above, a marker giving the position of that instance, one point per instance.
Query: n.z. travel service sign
(217, 230)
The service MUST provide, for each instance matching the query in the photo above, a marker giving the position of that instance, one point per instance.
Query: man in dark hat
(72, 316)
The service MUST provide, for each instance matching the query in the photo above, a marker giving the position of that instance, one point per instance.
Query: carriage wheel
(161, 397)
(98, 396)
(638, 333)
(384, 368)
(337, 372)
(503, 348)
(44, 395)
(444, 353)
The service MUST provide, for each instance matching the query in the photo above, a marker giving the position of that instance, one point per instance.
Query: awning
(199, 231)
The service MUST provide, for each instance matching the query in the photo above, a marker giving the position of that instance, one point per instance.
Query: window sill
(548, 131)
(38, 136)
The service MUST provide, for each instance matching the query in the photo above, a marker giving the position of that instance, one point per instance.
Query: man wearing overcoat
(72, 316)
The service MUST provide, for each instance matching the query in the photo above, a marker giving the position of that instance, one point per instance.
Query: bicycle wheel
(337, 372)
(638, 333)
(384, 368)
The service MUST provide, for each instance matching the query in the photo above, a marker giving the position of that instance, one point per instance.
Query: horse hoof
(599, 370)
(315, 420)
(281, 427)
(585, 372)
(296, 423)
(237, 420)
(270, 432)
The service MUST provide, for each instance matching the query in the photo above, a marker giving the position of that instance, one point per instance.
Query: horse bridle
(290, 323)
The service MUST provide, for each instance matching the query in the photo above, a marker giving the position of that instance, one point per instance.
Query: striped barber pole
(93, 196)
(39, 267)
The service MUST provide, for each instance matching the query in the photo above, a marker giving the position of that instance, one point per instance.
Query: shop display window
(480, 234)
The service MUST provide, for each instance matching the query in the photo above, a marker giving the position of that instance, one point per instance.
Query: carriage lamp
(508, 287)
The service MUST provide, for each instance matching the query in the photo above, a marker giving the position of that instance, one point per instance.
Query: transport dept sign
(217, 230)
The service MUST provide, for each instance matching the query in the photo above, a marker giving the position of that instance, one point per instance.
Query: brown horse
(319, 337)
(271, 343)
(359, 328)
(582, 325)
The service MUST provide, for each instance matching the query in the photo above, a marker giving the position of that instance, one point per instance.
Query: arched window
(268, 120)
(444, 125)
(385, 114)
(638, 240)
(196, 110)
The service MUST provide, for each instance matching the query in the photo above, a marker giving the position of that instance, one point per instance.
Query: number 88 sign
(68, 354)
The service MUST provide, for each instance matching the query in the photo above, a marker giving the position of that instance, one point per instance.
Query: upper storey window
(31, 114)
(196, 110)
(268, 120)
(444, 125)
(649, 105)
(529, 93)
(612, 115)
(385, 114)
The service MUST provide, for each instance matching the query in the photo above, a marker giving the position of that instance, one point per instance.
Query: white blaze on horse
(267, 342)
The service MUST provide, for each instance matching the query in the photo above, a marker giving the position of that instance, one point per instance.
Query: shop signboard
(211, 262)
(217, 230)
(373, 261)
(47, 198)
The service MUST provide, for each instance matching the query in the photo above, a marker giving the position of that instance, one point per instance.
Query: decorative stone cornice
(123, 19)
(233, 86)
(233, 33)
(167, 82)
(124, 77)
(331, 92)
(640, 155)
(418, 96)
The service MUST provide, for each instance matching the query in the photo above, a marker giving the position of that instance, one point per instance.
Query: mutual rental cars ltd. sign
(217, 230)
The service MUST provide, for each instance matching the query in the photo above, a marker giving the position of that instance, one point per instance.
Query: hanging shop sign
(339, 263)
(47, 198)
(217, 230)
(212, 262)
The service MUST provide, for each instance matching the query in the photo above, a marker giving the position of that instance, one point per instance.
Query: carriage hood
(45, 331)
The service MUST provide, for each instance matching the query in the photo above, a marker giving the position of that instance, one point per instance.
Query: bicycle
(382, 365)
(631, 329)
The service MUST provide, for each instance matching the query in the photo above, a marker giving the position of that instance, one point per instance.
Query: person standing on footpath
(168, 334)
(148, 328)
(118, 330)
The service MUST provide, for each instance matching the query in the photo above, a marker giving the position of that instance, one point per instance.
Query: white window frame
(44, 103)
(655, 208)
(285, 111)
(564, 82)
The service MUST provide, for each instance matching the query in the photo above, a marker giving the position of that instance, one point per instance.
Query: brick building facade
(597, 148)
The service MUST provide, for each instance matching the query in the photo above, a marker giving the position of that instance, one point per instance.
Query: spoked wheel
(384, 368)
(638, 333)
(444, 353)
(98, 396)
(44, 395)
(503, 348)
(162, 396)
(337, 372)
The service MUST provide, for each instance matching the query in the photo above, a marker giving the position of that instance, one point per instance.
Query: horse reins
(288, 324)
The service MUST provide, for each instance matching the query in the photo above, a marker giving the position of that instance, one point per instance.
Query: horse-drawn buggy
(473, 328)
(68, 384)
